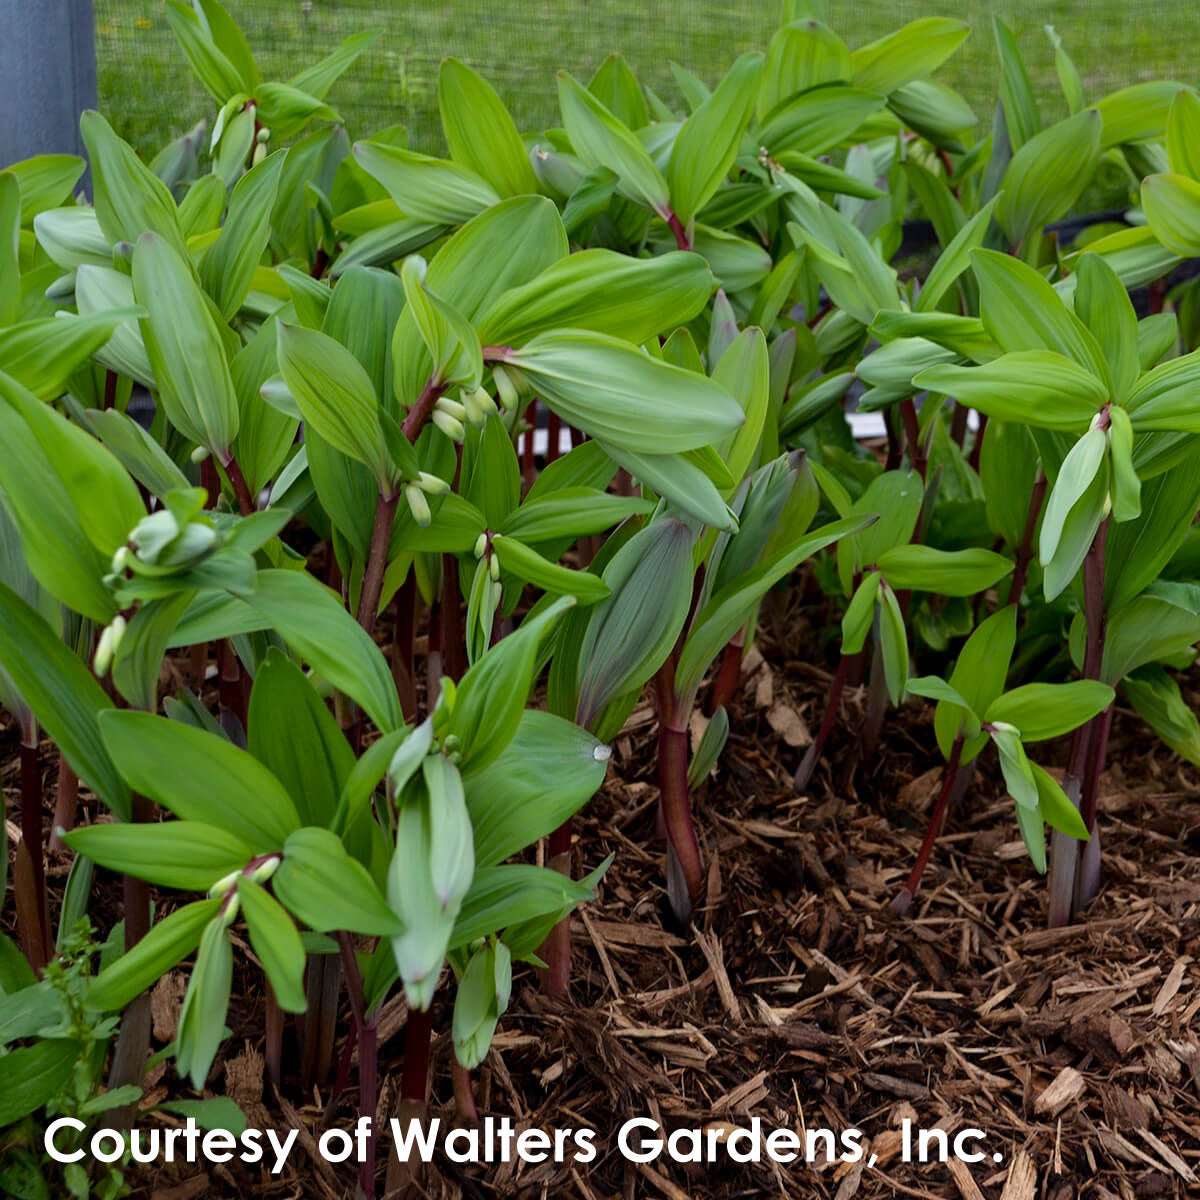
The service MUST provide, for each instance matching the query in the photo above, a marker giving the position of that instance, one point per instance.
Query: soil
(798, 998)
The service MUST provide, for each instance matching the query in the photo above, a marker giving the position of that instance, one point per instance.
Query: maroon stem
(402, 647)
(912, 434)
(240, 487)
(977, 445)
(273, 1030)
(809, 762)
(31, 835)
(453, 638)
(415, 418)
(464, 1096)
(229, 672)
(877, 694)
(729, 674)
(110, 389)
(418, 1035)
(895, 448)
(377, 560)
(681, 237)
(553, 436)
(556, 950)
(368, 1082)
(66, 802)
(903, 901)
(676, 801)
(958, 424)
(1025, 550)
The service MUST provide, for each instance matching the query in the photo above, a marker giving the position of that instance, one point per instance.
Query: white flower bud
(230, 911)
(417, 504)
(432, 485)
(224, 885)
(106, 648)
(200, 454)
(505, 389)
(494, 567)
(450, 426)
(452, 408)
(480, 545)
(265, 870)
(497, 593)
(260, 152)
(119, 559)
(479, 405)
(264, 136)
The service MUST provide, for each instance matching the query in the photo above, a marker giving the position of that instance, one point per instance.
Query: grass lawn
(147, 87)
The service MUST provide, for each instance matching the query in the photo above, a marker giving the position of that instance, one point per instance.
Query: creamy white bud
(200, 454)
(417, 504)
(479, 405)
(505, 388)
(452, 408)
(432, 485)
(265, 870)
(450, 426)
(224, 885)
(230, 911)
(480, 545)
(494, 567)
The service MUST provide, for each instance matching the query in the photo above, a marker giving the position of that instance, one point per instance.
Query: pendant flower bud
(119, 559)
(417, 504)
(479, 405)
(199, 454)
(505, 388)
(494, 567)
(481, 545)
(432, 485)
(452, 408)
(224, 885)
(260, 152)
(230, 911)
(450, 426)
(106, 648)
(264, 136)
(265, 870)
(497, 593)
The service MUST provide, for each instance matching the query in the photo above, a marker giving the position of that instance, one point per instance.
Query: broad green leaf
(933, 687)
(320, 77)
(1183, 134)
(327, 889)
(677, 479)
(1126, 486)
(336, 396)
(1078, 532)
(549, 770)
(31, 1076)
(202, 1016)
(945, 572)
(1138, 113)
(290, 731)
(1048, 710)
(63, 694)
(530, 567)
(313, 622)
(44, 182)
(955, 259)
(599, 290)
(184, 347)
(1033, 387)
(803, 54)
(221, 79)
(1158, 701)
(819, 119)
(276, 944)
(616, 87)
(893, 644)
(1048, 173)
(452, 343)
(1168, 397)
(917, 49)
(426, 189)
(570, 512)
(620, 395)
(1022, 119)
(188, 855)
(978, 677)
(479, 131)
(164, 947)
(601, 140)
(1104, 306)
(1075, 477)
(744, 372)
(860, 614)
(200, 777)
(228, 267)
(1147, 629)
(43, 354)
(1136, 551)
(705, 147)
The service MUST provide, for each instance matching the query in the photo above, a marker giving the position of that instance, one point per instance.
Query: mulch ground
(798, 998)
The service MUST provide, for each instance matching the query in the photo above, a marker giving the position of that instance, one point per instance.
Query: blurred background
(519, 44)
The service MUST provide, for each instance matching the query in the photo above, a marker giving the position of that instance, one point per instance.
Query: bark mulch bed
(798, 998)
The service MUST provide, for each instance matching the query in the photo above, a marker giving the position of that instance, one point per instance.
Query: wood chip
(710, 944)
(1068, 1085)
(1021, 1183)
(1170, 986)
(959, 1172)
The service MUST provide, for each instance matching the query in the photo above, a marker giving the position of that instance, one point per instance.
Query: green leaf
(311, 620)
(43, 354)
(1126, 486)
(1167, 398)
(452, 343)
(188, 855)
(1047, 174)
(546, 774)
(933, 687)
(616, 87)
(705, 147)
(803, 54)
(530, 567)
(946, 572)
(744, 372)
(860, 614)
(955, 259)
(479, 131)
(1033, 387)
(569, 513)
(202, 1017)
(978, 677)
(321, 76)
(294, 735)
(1078, 532)
(137, 451)
(44, 182)
(599, 290)
(200, 777)
(31, 1076)
(620, 395)
(327, 889)
(1017, 770)
(165, 946)
(1146, 630)
(677, 479)
(129, 198)
(184, 347)
(1022, 120)
(228, 267)
(276, 944)
(1138, 113)
(63, 694)
(426, 189)
(1136, 551)
(819, 119)
(218, 1112)
(221, 79)
(1183, 134)
(893, 644)
(1075, 477)
(917, 49)
(601, 140)
(1048, 710)
(1158, 701)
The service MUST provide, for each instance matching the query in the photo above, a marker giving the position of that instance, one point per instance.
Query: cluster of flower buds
(415, 492)
(257, 871)
(260, 145)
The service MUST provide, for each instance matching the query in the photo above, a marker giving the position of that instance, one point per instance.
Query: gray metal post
(48, 69)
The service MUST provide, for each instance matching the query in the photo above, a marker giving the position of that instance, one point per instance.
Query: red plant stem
(320, 1019)
(133, 1043)
(31, 835)
(110, 389)
(977, 445)
(894, 447)
(66, 802)
(402, 647)
(681, 237)
(912, 434)
(809, 762)
(240, 487)
(958, 424)
(556, 950)
(320, 262)
(415, 418)
(343, 1072)
(273, 1032)
(368, 1082)
(377, 560)
(729, 674)
(418, 1035)
(553, 436)
(1025, 550)
(453, 638)
(902, 902)
(229, 673)
(676, 803)
(877, 692)
(1095, 767)
(464, 1096)
(210, 481)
